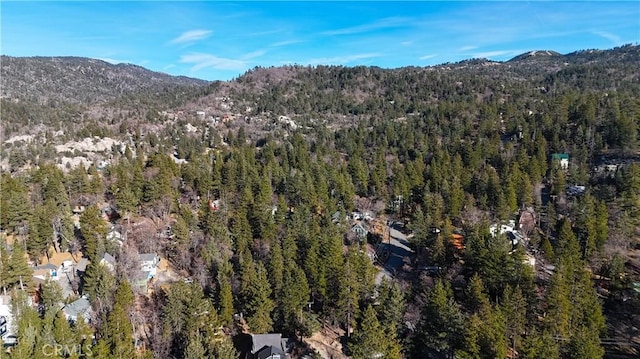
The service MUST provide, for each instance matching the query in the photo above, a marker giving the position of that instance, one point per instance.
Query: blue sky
(221, 40)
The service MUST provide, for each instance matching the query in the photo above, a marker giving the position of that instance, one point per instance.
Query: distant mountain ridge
(80, 80)
(536, 54)
(73, 87)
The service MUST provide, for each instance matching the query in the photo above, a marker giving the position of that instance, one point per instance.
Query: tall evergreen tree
(259, 303)
(295, 295)
(14, 202)
(20, 274)
(440, 324)
(94, 232)
(118, 330)
(369, 339)
(225, 300)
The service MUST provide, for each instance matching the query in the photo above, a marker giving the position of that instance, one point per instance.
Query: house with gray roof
(108, 262)
(79, 308)
(360, 230)
(148, 268)
(46, 271)
(149, 263)
(81, 266)
(268, 346)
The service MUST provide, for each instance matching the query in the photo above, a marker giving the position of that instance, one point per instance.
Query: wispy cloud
(389, 22)
(115, 61)
(285, 43)
(168, 67)
(406, 43)
(191, 36)
(467, 48)
(338, 60)
(253, 54)
(427, 57)
(615, 39)
(265, 32)
(488, 54)
(201, 61)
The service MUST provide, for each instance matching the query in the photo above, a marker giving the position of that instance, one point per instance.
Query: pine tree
(559, 304)
(98, 282)
(225, 300)
(5, 275)
(118, 330)
(602, 224)
(50, 294)
(392, 304)
(568, 249)
(584, 345)
(547, 249)
(28, 326)
(83, 336)
(486, 336)
(194, 349)
(101, 350)
(539, 346)
(41, 234)
(276, 267)
(259, 303)
(586, 224)
(514, 307)
(14, 202)
(441, 322)
(62, 332)
(476, 296)
(225, 350)
(94, 231)
(20, 274)
(368, 340)
(295, 295)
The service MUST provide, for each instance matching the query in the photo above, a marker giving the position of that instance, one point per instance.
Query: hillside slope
(80, 80)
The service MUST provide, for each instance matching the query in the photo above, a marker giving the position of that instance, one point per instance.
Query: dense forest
(244, 212)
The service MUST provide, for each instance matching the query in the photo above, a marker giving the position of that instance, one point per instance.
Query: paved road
(398, 253)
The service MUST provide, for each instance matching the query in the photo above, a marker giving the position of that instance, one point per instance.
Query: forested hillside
(253, 194)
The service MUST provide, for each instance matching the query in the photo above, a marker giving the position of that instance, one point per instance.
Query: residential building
(149, 263)
(360, 230)
(108, 262)
(46, 271)
(562, 158)
(77, 309)
(148, 267)
(114, 235)
(6, 321)
(81, 266)
(268, 346)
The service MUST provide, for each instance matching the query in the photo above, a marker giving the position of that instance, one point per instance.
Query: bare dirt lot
(327, 343)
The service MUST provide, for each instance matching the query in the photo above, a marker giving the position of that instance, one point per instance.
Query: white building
(6, 321)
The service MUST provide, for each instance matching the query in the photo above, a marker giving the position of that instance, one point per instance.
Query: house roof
(268, 351)
(60, 257)
(48, 266)
(82, 265)
(109, 259)
(259, 341)
(148, 257)
(560, 156)
(359, 227)
(77, 308)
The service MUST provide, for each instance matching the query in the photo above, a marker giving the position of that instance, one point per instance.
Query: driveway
(395, 254)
